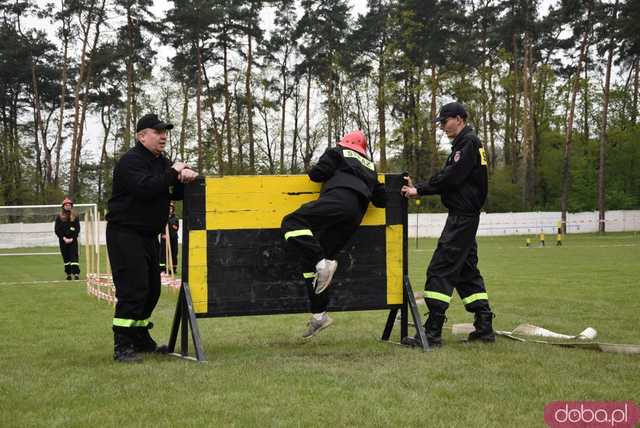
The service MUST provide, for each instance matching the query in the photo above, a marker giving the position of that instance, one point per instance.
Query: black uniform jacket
(341, 167)
(143, 185)
(67, 229)
(462, 184)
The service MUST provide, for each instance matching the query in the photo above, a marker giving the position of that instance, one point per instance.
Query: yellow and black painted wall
(235, 257)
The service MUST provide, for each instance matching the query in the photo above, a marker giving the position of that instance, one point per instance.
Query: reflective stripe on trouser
(434, 295)
(475, 297)
(454, 265)
(123, 322)
(299, 232)
(72, 268)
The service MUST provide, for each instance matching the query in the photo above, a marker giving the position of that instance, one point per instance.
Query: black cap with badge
(151, 121)
(451, 110)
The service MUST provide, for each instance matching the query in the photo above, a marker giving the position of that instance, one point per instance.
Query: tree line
(263, 86)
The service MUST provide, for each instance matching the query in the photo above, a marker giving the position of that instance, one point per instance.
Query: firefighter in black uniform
(173, 224)
(462, 184)
(144, 181)
(318, 230)
(67, 230)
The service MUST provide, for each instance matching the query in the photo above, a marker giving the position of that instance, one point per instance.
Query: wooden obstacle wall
(235, 257)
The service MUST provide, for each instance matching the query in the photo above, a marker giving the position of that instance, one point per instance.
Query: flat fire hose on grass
(583, 340)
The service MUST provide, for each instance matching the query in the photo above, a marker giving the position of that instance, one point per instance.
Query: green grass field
(56, 365)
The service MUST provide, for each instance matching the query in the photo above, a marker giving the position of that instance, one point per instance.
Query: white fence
(528, 223)
(20, 235)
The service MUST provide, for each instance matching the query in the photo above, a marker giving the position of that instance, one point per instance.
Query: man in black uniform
(462, 184)
(144, 181)
(173, 225)
(318, 230)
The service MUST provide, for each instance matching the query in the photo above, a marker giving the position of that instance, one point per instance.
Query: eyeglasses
(443, 122)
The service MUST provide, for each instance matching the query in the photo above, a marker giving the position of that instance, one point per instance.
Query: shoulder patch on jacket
(483, 156)
(364, 161)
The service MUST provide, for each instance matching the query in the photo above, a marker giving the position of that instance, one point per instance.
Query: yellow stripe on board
(260, 202)
(394, 264)
(198, 270)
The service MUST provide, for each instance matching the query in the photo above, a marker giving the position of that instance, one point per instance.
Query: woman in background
(67, 230)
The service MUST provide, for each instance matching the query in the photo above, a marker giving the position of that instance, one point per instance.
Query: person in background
(173, 224)
(67, 229)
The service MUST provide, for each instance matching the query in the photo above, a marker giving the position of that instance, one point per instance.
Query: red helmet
(355, 140)
(67, 200)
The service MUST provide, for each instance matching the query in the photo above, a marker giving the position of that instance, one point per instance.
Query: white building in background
(529, 223)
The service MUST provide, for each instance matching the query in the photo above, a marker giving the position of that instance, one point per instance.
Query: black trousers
(173, 241)
(70, 257)
(455, 266)
(319, 230)
(136, 275)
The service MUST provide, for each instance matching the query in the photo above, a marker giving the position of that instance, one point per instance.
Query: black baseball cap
(151, 121)
(451, 110)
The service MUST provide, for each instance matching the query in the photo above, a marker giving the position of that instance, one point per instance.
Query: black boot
(432, 329)
(144, 342)
(123, 349)
(484, 329)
